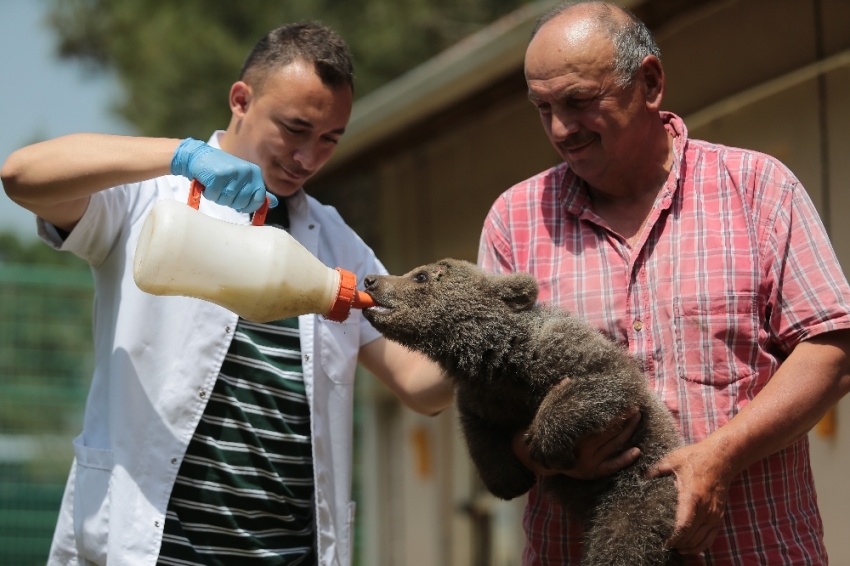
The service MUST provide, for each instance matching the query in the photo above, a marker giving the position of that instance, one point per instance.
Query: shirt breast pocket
(716, 338)
(340, 346)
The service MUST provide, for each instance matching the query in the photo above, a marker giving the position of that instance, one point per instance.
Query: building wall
(423, 195)
(455, 179)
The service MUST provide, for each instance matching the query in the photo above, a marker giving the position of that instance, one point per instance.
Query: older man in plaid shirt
(709, 263)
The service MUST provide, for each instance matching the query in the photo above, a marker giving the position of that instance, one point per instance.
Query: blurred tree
(14, 251)
(46, 355)
(177, 60)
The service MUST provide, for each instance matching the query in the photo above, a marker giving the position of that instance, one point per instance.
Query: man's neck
(642, 173)
(625, 203)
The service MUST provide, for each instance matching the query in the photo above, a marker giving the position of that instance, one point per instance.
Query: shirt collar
(574, 195)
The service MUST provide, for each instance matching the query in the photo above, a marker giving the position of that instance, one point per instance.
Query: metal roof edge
(449, 76)
(469, 65)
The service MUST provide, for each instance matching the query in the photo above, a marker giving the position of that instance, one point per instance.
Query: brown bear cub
(507, 356)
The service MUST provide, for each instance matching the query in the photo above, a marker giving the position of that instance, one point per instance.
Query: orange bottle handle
(196, 188)
(259, 217)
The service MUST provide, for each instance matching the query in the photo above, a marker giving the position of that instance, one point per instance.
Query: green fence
(46, 361)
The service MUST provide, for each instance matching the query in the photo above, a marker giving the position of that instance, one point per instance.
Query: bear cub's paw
(510, 483)
(543, 449)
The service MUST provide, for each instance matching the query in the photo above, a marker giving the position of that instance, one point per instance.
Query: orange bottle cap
(344, 296)
(347, 296)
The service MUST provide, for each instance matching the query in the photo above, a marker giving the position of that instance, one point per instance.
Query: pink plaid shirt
(733, 270)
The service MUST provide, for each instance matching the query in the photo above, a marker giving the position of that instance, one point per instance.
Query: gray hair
(631, 38)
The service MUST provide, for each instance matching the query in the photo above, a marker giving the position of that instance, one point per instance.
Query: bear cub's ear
(517, 290)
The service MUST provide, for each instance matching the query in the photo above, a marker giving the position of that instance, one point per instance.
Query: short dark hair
(631, 38)
(311, 42)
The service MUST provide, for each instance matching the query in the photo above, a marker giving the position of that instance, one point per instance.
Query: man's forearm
(54, 179)
(416, 381)
(813, 378)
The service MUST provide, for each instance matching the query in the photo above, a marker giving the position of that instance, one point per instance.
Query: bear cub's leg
(631, 523)
(566, 413)
(490, 449)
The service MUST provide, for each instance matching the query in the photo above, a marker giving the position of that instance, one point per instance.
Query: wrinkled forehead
(568, 44)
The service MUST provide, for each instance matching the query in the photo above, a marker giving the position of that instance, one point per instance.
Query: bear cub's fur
(507, 356)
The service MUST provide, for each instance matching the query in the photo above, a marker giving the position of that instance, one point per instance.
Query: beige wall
(456, 177)
(423, 195)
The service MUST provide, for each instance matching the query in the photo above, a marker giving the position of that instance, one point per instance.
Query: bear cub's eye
(420, 277)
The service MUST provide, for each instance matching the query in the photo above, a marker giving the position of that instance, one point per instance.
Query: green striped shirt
(244, 492)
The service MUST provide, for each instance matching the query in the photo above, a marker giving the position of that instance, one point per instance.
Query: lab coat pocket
(340, 346)
(352, 514)
(93, 477)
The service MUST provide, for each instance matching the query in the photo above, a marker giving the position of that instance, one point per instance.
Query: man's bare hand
(602, 454)
(702, 478)
(596, 455)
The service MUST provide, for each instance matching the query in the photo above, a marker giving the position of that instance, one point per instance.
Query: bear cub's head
(446, 301)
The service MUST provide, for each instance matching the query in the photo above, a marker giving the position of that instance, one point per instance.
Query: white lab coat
(156, 361)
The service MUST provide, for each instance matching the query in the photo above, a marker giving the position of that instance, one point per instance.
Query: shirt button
(174, 460)
(638, 325)
(227, 329)
(311, 226)
(156, 524)
(202, 393)
(307, 357)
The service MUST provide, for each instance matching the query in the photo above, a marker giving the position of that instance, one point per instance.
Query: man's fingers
(701, 540)
(660, 468)
(691, 541)
(619, 431)
(685, 517)
(629, 427)
(614, 465)
(709, 540)
(613, 446)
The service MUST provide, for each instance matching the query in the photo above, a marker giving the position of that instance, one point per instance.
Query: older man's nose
(563, 126)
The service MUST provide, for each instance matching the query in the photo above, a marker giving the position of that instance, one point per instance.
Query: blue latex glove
(229, 181)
